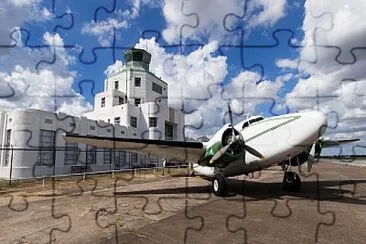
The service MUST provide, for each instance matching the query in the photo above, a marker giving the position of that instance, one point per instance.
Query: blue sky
(267, 77)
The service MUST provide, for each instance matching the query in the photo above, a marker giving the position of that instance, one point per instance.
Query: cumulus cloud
(286, 63)
(14, 13)
(337, 80)
(189, 76)
(205, 18)
(48, 88)
(104, 29)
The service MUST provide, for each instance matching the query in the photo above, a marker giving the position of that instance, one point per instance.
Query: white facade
(31, 140)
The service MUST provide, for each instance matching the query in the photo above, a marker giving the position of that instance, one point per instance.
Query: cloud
(14, 13)
(104, 29)
(287, 63)
(210, 17)
(48, 88)
(337, 80)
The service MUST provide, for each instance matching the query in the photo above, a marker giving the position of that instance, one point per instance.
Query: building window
(46, 144)
(120, 100)
(10, 119)
(122, 132)
(133, 121)
(137, 56)
(137, 101)
(48, 121)
(157, 88)
(92, 127)
(133, 157)
(91, 154)
(102, 102)
(116, 85)
(72, 124)
(71, 153)
(7, 145)
(109, 130)
(169, 132)
(120, 159)
(107, 157)
(137, 81)
(153, 121)
(117, 120)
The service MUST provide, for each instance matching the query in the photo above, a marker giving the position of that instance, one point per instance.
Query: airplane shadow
(331, 190)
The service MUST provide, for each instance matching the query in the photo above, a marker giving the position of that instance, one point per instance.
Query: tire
(291, 182)
(218, 185)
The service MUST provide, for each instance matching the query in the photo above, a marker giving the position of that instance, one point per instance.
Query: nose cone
(319, 120)
(308, 128)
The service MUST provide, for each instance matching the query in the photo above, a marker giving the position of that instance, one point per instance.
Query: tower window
(137, 101)
(102, 102)
(133, 121)
(157, 88)
(116, 85)
(120, 100)
(137, 81)
(153, 121)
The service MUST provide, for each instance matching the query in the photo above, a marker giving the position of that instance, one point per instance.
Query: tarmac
(331, 208)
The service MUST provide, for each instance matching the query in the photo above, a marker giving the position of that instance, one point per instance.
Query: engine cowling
(237, 147)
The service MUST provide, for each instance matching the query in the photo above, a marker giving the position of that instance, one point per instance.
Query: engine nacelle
(237, 147)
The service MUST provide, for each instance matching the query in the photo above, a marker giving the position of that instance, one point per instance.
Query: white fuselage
(277, 138)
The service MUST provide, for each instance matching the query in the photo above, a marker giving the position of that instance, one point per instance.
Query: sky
(263, 57)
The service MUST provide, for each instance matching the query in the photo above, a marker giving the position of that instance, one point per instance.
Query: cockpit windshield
(251, 121)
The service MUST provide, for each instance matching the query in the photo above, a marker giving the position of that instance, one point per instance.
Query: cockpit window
(251, 121)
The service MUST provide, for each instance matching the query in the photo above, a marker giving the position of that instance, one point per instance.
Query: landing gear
(218, 185)
(291, 181)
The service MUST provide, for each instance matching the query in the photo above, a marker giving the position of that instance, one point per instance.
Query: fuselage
(277, 138)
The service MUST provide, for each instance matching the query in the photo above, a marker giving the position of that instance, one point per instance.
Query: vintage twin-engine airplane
(252, 145)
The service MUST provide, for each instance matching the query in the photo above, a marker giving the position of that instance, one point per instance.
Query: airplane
(253, 144)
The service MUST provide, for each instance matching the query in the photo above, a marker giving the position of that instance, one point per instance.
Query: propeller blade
(219, 153)
(311, 157)
(231, 122)
(253, 151)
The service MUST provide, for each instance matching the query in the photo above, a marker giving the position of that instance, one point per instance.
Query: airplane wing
(332, 143)
(170, 150)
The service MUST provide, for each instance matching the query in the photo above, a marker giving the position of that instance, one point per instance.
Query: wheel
(291, 181)
(218, 185)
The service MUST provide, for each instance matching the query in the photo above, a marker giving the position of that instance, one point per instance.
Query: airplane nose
(320, 120)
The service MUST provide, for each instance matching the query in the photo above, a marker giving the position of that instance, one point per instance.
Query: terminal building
(133, 105)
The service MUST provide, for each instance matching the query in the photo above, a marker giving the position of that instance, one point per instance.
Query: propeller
(234, 139)
(311, 157)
